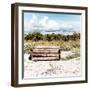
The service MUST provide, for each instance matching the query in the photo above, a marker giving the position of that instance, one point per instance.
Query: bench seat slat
(45, 55)
(46, 58)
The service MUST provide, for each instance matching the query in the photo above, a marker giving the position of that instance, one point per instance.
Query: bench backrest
(46, 53)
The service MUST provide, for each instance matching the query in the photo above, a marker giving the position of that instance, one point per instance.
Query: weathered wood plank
(46, 58)
(46, 47)
(45, 52)
(45, 55)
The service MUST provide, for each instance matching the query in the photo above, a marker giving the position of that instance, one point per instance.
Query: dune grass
(73, 46)
(68, 45)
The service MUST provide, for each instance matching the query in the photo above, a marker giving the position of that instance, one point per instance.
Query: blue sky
(43, 22)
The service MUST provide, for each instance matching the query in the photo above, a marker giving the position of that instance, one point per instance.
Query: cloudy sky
(51, 23)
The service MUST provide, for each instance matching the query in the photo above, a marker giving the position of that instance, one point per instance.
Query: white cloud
(33, 20)
(29, 24)
(48, 24)
(45, 24)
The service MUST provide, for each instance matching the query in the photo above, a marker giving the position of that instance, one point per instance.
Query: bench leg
(30, 57)
(59, 56)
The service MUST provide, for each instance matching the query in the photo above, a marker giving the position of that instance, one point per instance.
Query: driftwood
(46, 53)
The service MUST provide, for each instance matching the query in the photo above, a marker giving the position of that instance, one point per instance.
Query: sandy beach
(45, 69)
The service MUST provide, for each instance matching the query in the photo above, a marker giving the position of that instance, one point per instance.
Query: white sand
(43, 69)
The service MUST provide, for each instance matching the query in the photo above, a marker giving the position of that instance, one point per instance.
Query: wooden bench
(46, 53)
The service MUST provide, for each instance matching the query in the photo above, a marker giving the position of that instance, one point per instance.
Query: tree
(27, 36)
(36, 36)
